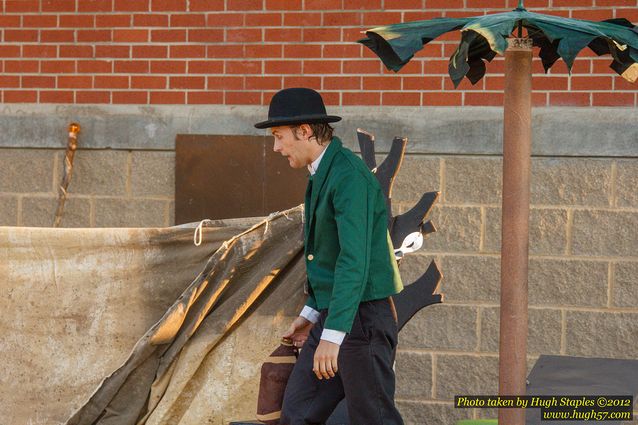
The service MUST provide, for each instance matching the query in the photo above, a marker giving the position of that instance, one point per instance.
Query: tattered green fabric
(485, 36)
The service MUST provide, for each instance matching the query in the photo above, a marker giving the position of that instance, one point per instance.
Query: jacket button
(310, 257)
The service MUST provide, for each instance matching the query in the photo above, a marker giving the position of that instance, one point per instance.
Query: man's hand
(298, 331)
(325, 361)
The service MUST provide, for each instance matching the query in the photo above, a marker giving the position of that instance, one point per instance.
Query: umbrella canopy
(485, 36)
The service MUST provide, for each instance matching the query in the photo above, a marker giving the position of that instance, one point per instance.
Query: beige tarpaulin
(74, 299)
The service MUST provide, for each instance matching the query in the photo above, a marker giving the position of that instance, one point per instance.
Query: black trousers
(365, 377)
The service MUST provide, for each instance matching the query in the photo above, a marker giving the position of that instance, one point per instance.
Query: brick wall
(238, 52)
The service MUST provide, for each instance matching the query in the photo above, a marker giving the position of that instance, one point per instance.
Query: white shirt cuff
(310, 314)
(333, 336)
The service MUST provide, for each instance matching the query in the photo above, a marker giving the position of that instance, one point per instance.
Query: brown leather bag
(274, 376)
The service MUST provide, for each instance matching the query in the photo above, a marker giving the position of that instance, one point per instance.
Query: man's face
(295, 149)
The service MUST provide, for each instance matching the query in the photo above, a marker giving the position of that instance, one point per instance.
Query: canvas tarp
(74, 301)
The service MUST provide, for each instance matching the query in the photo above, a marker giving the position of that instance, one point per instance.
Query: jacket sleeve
(352, 209)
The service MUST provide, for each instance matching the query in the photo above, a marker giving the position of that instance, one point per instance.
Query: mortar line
(483, 229)
(569, 231)
(610, 283)
(563, 331)
(614, 173)
(434, 383)
(479, 310)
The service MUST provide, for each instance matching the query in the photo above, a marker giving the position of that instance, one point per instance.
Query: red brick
(321, 34)
(205, 5)
(529, 4)
(58, 5)
(111, 21)
(39, 21)
(21, 66)
(303, 81)
(39, 51)
(264, 51)
(422, 16)
(361, 98)
(340, 19)
(205, 67)
(539, 99)
(205, 35)
(226, 83)
(129, 97)
(282, 67)
(110, 51)
(381, 18)
(168, 67)
(343, 51)
(56, 96)
(33, 81)
(263, 83)
(485, 4)
(75, 82)
(483, 99)
(323, 4)
(150, 51)
(243, 35)
(168, 5)
(597, 14)
(288, 35)
(569, 99)
(622, 84)
(242, 98)
(131, 5)
(57, 67)
(131, 67)
(292, 51)
(95, 6)
(187, 82)
(403, 4)
(422, 83)
(244, 5)
(9, 51)
(283, 4)
(193, 51)
(20, 35)
(17, 6)
(591, 83)
(94, 35)
(164, 36)
(148, 20)
(391, 82)
(549, 83)
(264, 19)
(302, 19)
(342, 83)
(168, 97)
(110, 82)
(613, 99)
(145, 82)
(205, 98)
(490, 83)
(448, 85)
(225, 51)
(562, 13)
(93, 97)
(20, 96)
(243, 67)
(225, 20)
(572, 3)
(8, 21)
(412, 67)
(77, 21)
(362, 4)
(401, 98)
(362, 66)
(188, 20)
(130, 36)
(321, 67)
(9, 81)
(442, 99)
(95, 66)
(351, 35)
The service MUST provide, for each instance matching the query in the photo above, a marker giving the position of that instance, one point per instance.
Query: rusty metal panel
(219, 176)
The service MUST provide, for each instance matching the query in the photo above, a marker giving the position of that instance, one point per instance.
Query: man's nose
(276, 146)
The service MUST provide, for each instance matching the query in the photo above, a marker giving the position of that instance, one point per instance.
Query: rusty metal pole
(72, 145)
(517, 131)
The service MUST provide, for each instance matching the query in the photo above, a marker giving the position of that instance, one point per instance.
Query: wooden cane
(71, 146)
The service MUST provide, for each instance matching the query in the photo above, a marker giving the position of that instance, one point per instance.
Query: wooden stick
(71, 146)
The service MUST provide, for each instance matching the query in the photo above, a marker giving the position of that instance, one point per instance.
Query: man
(348, 327)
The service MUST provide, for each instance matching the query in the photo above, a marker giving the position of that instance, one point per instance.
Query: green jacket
(349, 254)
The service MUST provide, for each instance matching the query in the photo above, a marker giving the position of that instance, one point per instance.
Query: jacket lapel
(320, 176)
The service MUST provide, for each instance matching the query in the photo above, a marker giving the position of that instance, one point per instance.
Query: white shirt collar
(314, 166)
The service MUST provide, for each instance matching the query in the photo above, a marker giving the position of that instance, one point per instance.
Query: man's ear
(306, 131)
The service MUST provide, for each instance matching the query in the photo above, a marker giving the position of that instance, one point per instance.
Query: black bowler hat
(296, 106)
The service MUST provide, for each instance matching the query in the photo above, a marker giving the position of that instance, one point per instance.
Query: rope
(197, 236)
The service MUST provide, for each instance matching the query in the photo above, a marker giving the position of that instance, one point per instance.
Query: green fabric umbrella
(483, 37)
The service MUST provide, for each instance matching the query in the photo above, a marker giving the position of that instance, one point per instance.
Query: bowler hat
(296, 106)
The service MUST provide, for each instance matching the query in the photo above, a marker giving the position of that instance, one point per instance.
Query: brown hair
(321, 132)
